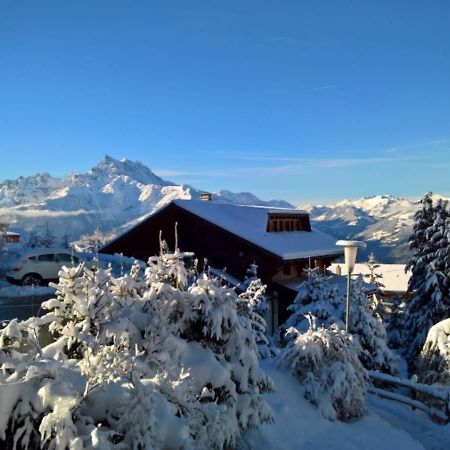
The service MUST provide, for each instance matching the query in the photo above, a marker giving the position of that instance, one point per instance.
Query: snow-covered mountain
(384, 222)
(111, 196)
(116, 194)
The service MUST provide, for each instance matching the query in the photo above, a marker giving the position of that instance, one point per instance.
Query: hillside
(384, 222)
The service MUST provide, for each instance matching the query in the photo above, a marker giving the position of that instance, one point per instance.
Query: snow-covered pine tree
(325, 360)
(369, 330)
(320, 299)
(430, 279)
(202, 312)
(252, 303)
(48, 239)
(373, 278)
(175, 367)
(221, 332)
(129, 287)
(423, 220)
(92, 243)
(81, 315)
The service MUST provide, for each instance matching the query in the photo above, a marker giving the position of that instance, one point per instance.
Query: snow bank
(299, 426)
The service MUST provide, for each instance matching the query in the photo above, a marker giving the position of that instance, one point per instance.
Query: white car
(37, 265)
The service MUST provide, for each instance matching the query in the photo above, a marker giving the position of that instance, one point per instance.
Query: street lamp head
(350, 249)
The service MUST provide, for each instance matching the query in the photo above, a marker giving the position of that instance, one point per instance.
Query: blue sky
(308, 101)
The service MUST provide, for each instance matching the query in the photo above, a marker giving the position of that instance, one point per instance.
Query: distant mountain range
(114, 195)
(111, 196)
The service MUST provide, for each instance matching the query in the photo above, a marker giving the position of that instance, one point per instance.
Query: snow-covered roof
(394, 277)
(340, 282)
(12, 233)
(249, 223)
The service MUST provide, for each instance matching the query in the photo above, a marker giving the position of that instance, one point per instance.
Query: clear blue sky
(300, 100)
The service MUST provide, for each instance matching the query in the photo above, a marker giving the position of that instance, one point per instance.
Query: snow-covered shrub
(322, 300)
(165, 362)
(434, 361)
(325, 361)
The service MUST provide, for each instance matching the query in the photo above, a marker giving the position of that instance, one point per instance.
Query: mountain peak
(135, 170)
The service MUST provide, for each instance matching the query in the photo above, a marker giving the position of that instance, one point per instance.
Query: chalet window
(278, 222)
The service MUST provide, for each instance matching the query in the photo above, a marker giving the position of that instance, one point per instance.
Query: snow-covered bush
(434, 361)
(322, 300)
(165, 362)
(325, 361)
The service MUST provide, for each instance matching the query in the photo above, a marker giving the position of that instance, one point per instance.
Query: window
(64, 258)
(278, 222)
(33, 258)
(47, 258)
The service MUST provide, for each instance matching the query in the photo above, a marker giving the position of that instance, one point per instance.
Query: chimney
(206, 196)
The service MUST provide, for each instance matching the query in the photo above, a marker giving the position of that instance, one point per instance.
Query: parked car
(38, 265)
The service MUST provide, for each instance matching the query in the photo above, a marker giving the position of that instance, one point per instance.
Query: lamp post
(350, 249)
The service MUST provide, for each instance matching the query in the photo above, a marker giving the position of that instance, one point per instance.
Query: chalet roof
(249, 223)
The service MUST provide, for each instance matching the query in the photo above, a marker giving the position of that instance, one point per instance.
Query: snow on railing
(441, 395)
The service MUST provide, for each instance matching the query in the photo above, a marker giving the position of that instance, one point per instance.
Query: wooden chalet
(279, 241)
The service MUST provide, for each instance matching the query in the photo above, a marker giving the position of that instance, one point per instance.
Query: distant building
(394, 278)
(279, 241)
(10, 237)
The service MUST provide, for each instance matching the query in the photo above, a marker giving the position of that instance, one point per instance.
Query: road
(21, 307)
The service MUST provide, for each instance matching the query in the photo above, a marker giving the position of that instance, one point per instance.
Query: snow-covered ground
(8, 290)
(299, 426)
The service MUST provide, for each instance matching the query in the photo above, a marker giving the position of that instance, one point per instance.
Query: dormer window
(278, 222)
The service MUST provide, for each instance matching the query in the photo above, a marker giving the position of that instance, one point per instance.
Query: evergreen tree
(373, 277)
(34, 239)
(321, 300)
(166, 364)
(423, 220)
(48, 238)
(367, 327)
(252, 303)
(318, 298)
(396, 322)
(65, 240)
(430, 278)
